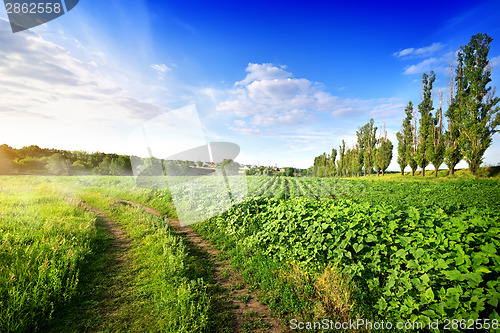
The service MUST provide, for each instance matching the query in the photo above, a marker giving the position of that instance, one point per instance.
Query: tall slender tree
(425, 109)
(383, 155)
(477, 108)
(358, 158)
(333, 157)
(412, 149)
(341, 164)
(405, 139)
(435, 142)
(452, 153)
(366, 141)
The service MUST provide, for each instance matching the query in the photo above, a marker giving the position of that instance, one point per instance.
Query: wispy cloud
(423, 66)
(495, 62)
(419, 52)
(435, 57)
(438, 64)
(270, 96)
(42, 82)
(161, 69)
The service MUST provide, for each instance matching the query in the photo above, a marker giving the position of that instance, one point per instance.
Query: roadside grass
(290, 290)
(125, 187)
(88, 310)
(174, 287)
(488, 172)
(44, 241)
(56, 262)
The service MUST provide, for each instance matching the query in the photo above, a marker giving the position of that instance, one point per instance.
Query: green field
(308, 248)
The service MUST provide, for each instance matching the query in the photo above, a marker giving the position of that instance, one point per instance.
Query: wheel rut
(109, 282)
(250, 315)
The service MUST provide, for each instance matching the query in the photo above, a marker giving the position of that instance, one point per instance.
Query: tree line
(35, 160)
(369, 154)
(472, 116)
(426, 136)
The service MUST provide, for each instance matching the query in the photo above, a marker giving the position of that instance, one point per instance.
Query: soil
(108, 282)
(250, 315)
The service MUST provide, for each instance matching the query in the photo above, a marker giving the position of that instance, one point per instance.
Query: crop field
(100, 253)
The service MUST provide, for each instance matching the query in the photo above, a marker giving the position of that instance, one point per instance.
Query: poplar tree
(353, 161)
(412, 149)
(341, 165)
(405, 139)
(333, 157)
(452, 153)
(366, 142)
(383, 155)
(358, 157)
(425, 109)
(435, 143)
(476, 105)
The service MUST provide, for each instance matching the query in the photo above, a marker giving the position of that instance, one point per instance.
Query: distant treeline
(464, 133)
(44, 161)
(369, 154)
(35, 160)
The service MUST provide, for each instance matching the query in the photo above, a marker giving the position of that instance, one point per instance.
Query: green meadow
(82, 253)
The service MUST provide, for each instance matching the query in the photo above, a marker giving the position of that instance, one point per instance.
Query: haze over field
(284, 81)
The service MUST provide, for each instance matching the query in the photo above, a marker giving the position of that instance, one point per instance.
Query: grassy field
(77, 256)
(60, 270)
(43, 241)
(443, 175)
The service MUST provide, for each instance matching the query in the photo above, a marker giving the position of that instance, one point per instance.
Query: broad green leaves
(416, 251)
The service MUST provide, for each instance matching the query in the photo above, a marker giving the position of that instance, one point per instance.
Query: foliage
(57, 165)
(366, 146)
(383, 153)
(35, 160)
(422, 254)
(405, 139)
(44, 241)
(324, 165)
(230, 167)
(425, 108)
(435, 142)
(476, 107)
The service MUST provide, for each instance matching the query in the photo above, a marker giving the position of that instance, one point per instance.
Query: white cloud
(240, 123)
(264, 72)
(419, 52)
(271, 96)
(423, 66)
(495, 62)
(161, 69)
(438, 64)
(246, 130)
(270, 99)
(48, 93)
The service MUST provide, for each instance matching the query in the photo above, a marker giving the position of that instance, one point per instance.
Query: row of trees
(368, 154)
(35, 160)
(426, 136)
(472, 116)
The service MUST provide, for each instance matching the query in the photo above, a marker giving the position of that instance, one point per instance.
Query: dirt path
(250, 315)
(107, 281)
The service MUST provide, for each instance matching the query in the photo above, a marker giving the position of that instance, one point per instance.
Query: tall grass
(169, 294)
(125, 187)
(43, 240)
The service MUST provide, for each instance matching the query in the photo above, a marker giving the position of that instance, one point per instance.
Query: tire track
(250, 315)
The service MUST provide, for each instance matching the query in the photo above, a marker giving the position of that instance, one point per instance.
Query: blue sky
(284, 80)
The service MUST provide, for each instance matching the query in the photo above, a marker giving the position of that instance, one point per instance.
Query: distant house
(209, 164)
